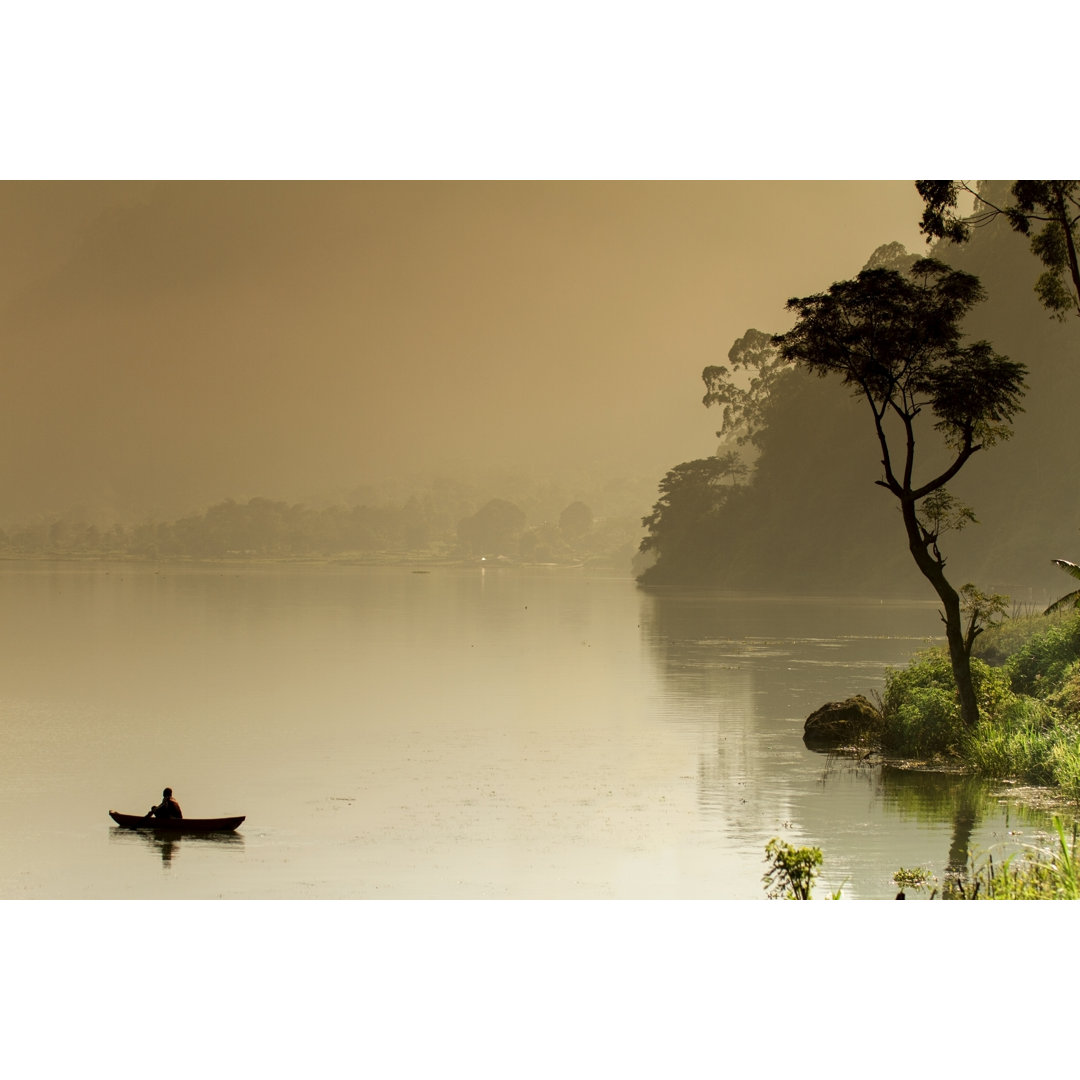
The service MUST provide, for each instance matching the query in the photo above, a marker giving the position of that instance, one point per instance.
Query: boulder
(841, 723)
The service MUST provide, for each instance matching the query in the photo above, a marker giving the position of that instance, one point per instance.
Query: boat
(176, 825)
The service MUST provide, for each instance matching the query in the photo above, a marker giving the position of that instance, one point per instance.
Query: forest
(789, 503)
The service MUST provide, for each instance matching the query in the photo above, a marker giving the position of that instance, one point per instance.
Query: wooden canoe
(176, 825)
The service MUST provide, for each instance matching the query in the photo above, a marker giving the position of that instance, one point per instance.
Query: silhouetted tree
(895, 339)
(685, 524)
(744, 398)
(1053, 204)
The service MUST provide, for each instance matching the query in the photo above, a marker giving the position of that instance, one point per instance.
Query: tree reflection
(965, 817)
(745, 672)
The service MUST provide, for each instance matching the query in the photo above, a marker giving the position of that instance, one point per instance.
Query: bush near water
(1027, 680)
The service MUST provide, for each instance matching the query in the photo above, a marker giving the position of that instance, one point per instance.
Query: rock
(841, 723)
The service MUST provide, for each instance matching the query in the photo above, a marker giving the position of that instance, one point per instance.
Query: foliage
(1010, 635)
(917, 878)
(1017, 741)
(685, 525)
(1035, 874)
(1065, 763)
(1042, 665)
(981, 610)
(922, 709)
(1066, 697)
(792, 871)
(939, 512)
(755, 356)
(895, 339)
(1069, 599)
(732, 466)
(1029, 709)
(1052, 207)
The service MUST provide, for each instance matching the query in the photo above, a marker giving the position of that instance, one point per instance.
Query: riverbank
(1027, 681)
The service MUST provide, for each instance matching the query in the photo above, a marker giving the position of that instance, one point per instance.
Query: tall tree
(895, 339)
(1049, 207)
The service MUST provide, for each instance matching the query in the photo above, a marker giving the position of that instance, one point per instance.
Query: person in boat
(169, 807)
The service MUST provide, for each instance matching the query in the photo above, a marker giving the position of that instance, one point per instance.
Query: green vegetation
(1035, 874)
(792, 870)
(916, 879)
(1029, 705)
(1071, 599)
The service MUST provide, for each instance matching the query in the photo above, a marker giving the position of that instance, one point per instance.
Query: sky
(172, 344)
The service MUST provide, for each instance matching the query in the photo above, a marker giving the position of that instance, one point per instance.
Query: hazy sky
(167, 345)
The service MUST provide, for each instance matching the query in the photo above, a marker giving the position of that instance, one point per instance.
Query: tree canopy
(1047, 211)
(896, 340)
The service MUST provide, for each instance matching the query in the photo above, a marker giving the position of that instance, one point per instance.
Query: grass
(1034, 874)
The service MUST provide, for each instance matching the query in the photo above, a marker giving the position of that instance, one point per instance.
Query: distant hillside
(811, 518)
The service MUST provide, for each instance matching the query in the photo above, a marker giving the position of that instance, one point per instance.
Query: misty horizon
(175, 344)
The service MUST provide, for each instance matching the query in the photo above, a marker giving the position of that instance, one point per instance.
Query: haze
(168, 345)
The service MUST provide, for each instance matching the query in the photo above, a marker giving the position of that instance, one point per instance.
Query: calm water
(451, 734)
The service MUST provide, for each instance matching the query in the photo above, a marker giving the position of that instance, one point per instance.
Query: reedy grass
(1033, 874)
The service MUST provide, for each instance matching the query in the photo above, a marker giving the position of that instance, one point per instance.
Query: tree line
(268, 528)
(899, 338)
(804, 518)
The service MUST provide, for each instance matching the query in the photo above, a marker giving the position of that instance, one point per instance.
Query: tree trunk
(1070, 247)
(958, 654)
(932, 570)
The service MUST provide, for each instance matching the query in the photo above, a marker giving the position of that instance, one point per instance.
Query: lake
(456, 733)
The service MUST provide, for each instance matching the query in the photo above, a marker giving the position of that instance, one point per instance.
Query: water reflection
(167, 844)
(748, 671)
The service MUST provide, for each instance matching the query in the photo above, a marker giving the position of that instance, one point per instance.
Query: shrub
(1041, 666)
(1016, 741)
(922, 714)
(791, 870)
(1000, 641)
(921, 708)
(1066, 698)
